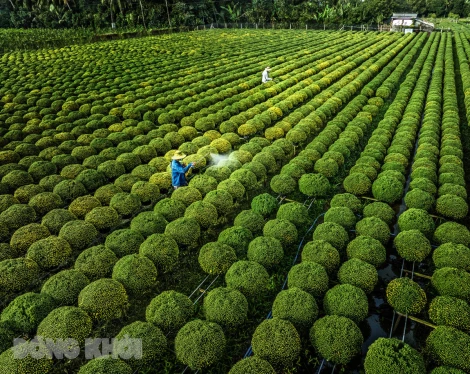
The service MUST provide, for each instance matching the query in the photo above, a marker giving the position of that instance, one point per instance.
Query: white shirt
(265, 77)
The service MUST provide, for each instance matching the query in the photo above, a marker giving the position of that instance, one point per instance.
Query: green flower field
(324, 227)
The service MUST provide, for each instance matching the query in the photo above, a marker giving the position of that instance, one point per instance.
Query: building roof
(404, 15)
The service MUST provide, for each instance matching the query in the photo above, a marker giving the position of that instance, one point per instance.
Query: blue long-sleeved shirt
(178, 178)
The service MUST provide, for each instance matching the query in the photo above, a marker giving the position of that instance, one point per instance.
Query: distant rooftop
(405, 15)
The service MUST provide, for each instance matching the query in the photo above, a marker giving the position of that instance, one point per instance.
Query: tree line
(100, 14)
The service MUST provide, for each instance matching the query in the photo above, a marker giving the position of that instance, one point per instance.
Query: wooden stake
(429, 324)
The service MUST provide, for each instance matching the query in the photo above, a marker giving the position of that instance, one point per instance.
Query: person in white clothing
(265, 76)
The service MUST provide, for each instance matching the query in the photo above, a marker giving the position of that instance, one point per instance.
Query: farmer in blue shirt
(178, 170)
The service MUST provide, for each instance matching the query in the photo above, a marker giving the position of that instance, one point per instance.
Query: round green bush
(395, 175)
(221, 199)
(367, 170)
(184, 231)
(283, 184)
(216, 257)
(136, 273)
(129, 160)
(367, 249)
(452, 206)
(246, 177)
(236, 237)
(266, 251)
(26, 311)
(375, 228)
(342, 216)
(91, 179)
(264, 204)
(82, 205)
(104, 299)
(65, 286)
(10, 363)
(282, 230)
(452, 255)
(170, 209)
(7, 201)
(412, 245)
(336, 338)
(332, 233)
(204, 213)
(248, 277)
(96, 262)
(125, 203)
(323, 253)
(252, 365)
(296, 306)
(314, 185)
(112, 169)
(72, 171)
(452, 282)
(327, 167)
(78, 233)
(310, 277)
(452, 232)
(69, 190)
(203, 183)
(219, 173)
(293, 212)
(16, 216)
(380, 210)
(40, 169)
(357, 184)
(66, 322)
(419, 199)
(347, 200)
(199, 344)
(451, 178)
(358, 273)
(105, 365)
(17, 178)
(449, 346)
(250, 220)
(169, 310)
(162, 250)
(105, 193)
(18, 273)
(103, 217)
(393, 356)
(257, 168)
(22, 195)
(387, 189)
(450, 311)
(225, 306)
(124, 242)
(154, 343)
(49, 252)
(44, 202)
(417, 219)
(146, 191)
(233, 187)
(25, 236)
(448, 188)
(406, 296)
(187, 195)
(126, 181)
(148, 223)
(424, 184)
(348, 301)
